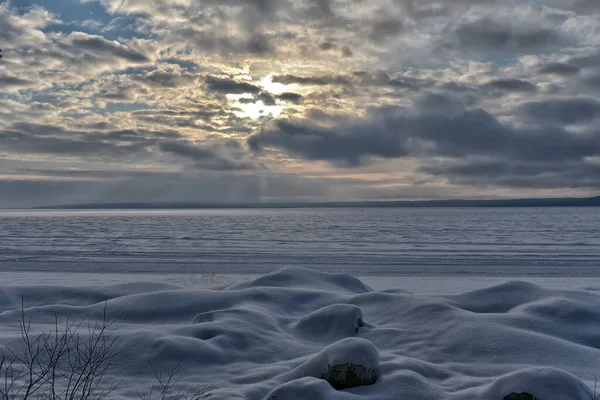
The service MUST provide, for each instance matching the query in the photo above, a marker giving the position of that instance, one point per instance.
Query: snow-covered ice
(276, 335)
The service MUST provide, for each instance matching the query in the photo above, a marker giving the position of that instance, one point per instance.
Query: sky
(297, 100)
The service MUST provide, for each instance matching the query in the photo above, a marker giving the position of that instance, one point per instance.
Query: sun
(248, 108)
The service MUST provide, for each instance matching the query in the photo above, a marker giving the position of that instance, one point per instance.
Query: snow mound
(347, 351)
(292, 333)
(306, 388)
(295, 277)
(331, 323)
(543, 383)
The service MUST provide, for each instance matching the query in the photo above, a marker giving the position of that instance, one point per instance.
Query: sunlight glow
(254, 110)
(258, 109)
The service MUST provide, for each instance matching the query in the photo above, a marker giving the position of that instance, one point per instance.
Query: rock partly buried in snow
(537, 383)
(330, 323)
(348, 363)
(349, 375)
(520, 396)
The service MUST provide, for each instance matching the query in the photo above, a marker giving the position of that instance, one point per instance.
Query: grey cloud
(9, 33)
(591, 81)
(227, 85)
(347, 52)
(270, 100)
(259, 44)
(384, 28)
(396, 133)
(290, 97)
(99, 45)
(205, 157)
(24, 137)
(490, 34)
(558, 68)
(12, 81)
(589, 60)
(188, 150)
(510, 85)
(47, 139)
(267, 99)
(400, 82)
(349, 145)
(165, 79)
(311, 80)
(508, 173)
(326, 46)
(324, 7)
(561, 111)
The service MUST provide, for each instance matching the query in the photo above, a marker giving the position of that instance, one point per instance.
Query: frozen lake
(501, 242)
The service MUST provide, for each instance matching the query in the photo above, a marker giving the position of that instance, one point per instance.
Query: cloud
(7, 81)
(99, 46)
(311, 80)
(561, 111)
(509, 85)
(345, 145)
(508, 173)
(205, 157)
(517, 30)
(390, 88)
(384, 28)
(227, 85)
(294, 98)
(559, 68)
(399, 133)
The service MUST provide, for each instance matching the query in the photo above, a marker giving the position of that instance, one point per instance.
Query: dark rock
(345, 376)
(520, 396)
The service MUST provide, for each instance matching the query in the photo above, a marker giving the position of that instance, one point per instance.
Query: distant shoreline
(527, 202)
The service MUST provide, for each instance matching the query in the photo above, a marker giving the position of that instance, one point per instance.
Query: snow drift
(276, 337)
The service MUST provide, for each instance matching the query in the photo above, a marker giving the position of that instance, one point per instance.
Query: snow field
(274, 337)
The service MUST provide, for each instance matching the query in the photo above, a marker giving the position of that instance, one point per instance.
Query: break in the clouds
(297, 100)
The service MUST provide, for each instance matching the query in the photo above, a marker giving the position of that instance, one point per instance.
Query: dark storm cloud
(518, 174)
(588, 60)
(382, 29)
(326, 46)
(489, 34)
(349, 145)
(230, 86)
(312, 80)
(562, 111)
(591, 81)
(510, 85)
(396, 133)
(259, 44)
(558, 68)
(290, 97)
(267, 99)
(204, 156)
(384, 79)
